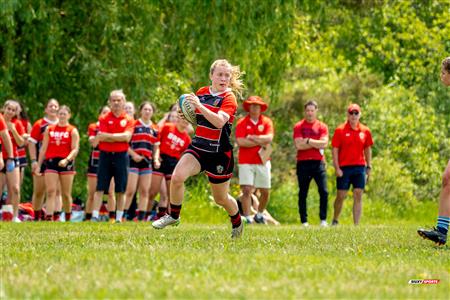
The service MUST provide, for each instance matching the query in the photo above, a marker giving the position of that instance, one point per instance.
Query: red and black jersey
(59, 141)
(37, 132)
(95, 153)
(208, 137)
(143, 138)
(173, 142)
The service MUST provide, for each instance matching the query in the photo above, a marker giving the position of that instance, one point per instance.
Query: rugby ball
(187, 109)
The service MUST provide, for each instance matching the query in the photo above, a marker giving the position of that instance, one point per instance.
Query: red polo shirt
(109, 123)
(315, 130)
(245, 126)
(351, 144)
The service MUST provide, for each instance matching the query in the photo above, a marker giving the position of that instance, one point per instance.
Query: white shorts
(257, 176)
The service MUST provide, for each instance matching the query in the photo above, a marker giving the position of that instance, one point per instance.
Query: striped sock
(175, 211)
(161, 211)
(442, 224)
(236, 220)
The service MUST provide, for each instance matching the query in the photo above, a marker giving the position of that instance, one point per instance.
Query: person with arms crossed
(352, 154)
(254, 133)
(439, 233)
(92, 170)
(115, 130)
(211, 149)
(310, 139)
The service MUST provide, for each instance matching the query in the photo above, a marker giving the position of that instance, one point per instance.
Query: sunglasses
(354, 113)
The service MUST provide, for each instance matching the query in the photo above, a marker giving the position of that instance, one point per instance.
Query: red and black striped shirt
(208, 137)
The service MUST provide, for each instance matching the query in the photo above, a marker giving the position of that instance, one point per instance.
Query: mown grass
(194, 261)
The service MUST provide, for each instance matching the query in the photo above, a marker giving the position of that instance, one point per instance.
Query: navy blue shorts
(354, 175)
(217, 166)
(141, 168)
(23, 161)
(112, 164)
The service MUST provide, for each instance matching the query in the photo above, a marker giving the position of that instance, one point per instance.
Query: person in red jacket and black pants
(115, 130)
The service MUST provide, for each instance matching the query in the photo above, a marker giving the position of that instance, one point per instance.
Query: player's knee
(177, 179)
(221, 200)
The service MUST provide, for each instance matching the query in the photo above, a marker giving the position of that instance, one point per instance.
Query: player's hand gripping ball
(187, 109)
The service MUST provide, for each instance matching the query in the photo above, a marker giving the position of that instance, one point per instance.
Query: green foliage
(384, 55)
(412, 135)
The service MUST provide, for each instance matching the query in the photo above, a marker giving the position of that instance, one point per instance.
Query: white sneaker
(237, 232)
(16, 220)
(306, 224)
(323, 223)
(165, 221)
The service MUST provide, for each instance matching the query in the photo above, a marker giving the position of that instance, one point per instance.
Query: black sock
(88, 216)
(112, 214)
(56, 215)
(175, 210)
(37, 215)
(162, 211)
(236, 220)
(141, 215)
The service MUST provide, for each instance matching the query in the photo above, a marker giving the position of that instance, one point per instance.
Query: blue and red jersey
(144, 137)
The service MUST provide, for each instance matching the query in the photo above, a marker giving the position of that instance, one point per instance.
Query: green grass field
(93, 260)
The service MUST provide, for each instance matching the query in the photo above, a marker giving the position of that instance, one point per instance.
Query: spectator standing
(254, 133)
(352, 154)
(310, 139)
(115, 130)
